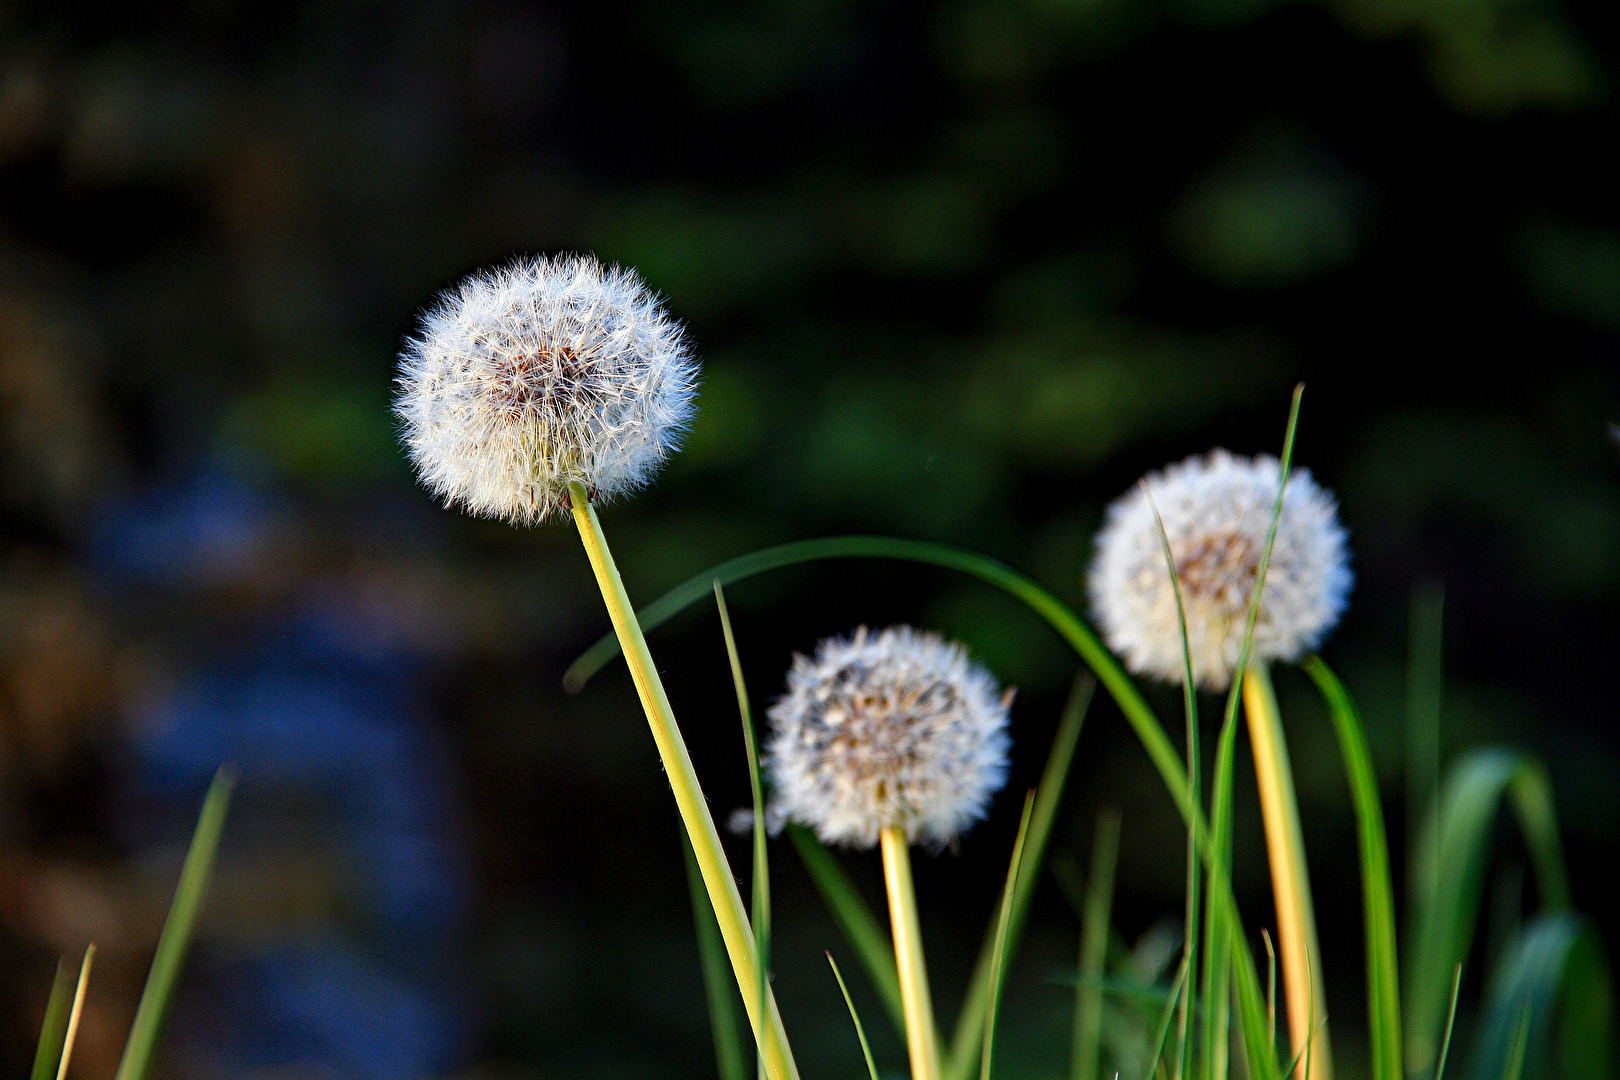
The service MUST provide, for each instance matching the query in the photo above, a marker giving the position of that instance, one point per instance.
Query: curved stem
(717, 878)
(1290, 883)
(921, 1039)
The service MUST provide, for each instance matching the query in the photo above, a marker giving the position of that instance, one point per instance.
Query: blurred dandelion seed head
(893, 729)
(1217, 511)
(548, 372)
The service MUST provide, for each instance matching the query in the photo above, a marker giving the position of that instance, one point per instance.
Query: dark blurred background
(960, 271)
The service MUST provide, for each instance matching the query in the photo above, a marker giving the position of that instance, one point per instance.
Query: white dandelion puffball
(544, 373)
(894, 729)
(1217, 511)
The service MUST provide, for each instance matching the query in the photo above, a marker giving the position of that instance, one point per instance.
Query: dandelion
(893, 730)
(1217, 512)
(892, 739)
(539, 389)
(548, 372)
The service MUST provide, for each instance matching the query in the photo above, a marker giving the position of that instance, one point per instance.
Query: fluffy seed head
(544, 373)
(1217, 511)
(897, 728)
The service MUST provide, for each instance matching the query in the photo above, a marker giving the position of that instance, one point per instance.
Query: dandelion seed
(1217, 511)
(548, 372)
(893, 730)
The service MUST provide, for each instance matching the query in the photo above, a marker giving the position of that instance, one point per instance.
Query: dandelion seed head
(522, 380)
(897, 728)
(1217, 511)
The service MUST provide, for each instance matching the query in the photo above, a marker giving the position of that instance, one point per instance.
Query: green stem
(717, 878)
(921, 1039)
(1290, 882)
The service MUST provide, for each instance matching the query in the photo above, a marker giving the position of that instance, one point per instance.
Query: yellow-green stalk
(922, 1040)
(722, 887)
(1290, 881)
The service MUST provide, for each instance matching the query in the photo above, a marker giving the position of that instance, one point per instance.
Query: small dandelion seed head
(547, 372)
(896, 729)
(1217, 512)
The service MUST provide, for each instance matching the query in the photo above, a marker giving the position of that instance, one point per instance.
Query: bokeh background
(957, 270)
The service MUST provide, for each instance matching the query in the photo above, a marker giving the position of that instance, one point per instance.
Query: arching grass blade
(860, 1032)
(53, 1029)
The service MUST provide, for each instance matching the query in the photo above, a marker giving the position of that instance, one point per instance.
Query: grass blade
(854, 917)
(1377, 889)
(1189, 701)
(724, 1023)
(53, 1029)
(177, 929)
(1555, 958)
(76, 1012)
(860, 1032)
(1451, 1019)
(1216, 988)
(965, 1041)
(1099, 898)
(760, 905)
(999, 955)
(1456, 839)
(1171, 1008)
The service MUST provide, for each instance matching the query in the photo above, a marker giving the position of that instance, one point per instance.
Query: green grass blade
(967, 1038)
(1456, 840)
(1556, 958)
(1171, 1008)
(1521, 1036)
(1099, 898)
(760, 906)
(1189, 702)
(1451, 1020)
(177, 929)
(53, 1029)
(1216, 992)
(724, 1024)
(1377, 888)
(860, 1032)
(854, 917)
(999, 955)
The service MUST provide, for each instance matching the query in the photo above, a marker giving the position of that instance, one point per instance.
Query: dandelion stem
(921, 1040)
(717, 877)
(1290, 883)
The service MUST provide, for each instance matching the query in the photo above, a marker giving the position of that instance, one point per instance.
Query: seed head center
(1224, 564)
(544, 381)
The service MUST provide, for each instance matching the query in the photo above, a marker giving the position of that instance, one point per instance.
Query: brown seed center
(539, 381)
(1212, 565)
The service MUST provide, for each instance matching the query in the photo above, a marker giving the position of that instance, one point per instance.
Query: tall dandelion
(532, 391)
(890, 739)
(1216, 512)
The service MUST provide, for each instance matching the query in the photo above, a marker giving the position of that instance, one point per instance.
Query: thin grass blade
(1521, 1036)
(1377, 888)
(1456, 839)
(76, 1012)
(1171, 1008)
(854, 917)
(1086, 1051)
(999, 955)
(860, 1032)
(966, 1040)
(724, 1023)
(1216, 989)
(177, 929)
(760, 904)
(53, 1029)
(1451, 1019)
(1189, 700)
